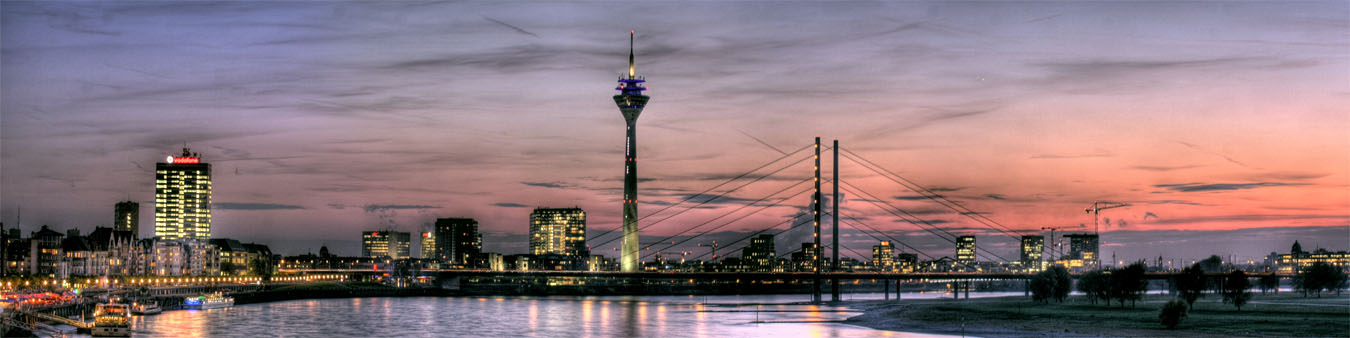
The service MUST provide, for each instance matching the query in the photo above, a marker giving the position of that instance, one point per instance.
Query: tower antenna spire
(632, 71)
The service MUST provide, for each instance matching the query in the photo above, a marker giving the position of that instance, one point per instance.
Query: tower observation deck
(630, 101)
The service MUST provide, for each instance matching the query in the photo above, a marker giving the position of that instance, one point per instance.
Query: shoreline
(1015, 316)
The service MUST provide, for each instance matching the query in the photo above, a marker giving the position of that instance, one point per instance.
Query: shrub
(1172, 313)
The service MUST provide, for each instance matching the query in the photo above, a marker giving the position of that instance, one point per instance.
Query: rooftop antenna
(632, 71)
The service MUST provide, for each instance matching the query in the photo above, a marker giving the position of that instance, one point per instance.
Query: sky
(1224, 125)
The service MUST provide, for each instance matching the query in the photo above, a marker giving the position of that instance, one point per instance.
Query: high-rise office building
(392, 244)
(1083, 247)
(428, 245)
(1032, 247)
(759, 256)
(630, 101)
(965, 249)
(458, 241)
(127, 217)
(883, 256)
(558, 231)
(906, 262)
(183, 197)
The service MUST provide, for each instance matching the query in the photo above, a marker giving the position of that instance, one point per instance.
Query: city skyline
(1028, 113)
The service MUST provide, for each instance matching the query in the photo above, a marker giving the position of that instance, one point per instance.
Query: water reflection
(647, 316)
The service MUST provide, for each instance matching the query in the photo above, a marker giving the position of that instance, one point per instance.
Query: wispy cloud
(510, 205)
(1199, 187)
(387, 207)
(253, 206)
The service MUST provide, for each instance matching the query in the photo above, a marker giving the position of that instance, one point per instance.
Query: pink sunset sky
(1225, 125)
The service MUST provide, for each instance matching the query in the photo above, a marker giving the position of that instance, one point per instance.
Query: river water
(497, 317)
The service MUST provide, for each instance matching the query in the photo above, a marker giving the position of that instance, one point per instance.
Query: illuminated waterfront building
(965, 250)
(1082, 251)
(558, 231)
(45, 252)
(1032, 247)
(127, 217)
(759, 256)
(392, 244)
(630, 101)
(183, 197)
(458, 241)
(428, 245)
(883, 256)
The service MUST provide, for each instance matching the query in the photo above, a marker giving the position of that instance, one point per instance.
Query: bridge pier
(897, 289)
(967, 289)
(887, 290)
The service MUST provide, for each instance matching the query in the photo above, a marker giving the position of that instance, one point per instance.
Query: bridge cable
(925, 192)
(927, 226)
(690, 197)
(729, 213)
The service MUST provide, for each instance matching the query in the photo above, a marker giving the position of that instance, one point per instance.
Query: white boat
(111, 320)
(143, 309)
(208, 301)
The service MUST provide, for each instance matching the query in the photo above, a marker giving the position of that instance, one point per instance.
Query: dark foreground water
(499, 317)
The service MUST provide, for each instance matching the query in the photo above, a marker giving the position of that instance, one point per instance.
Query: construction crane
(1096, 209)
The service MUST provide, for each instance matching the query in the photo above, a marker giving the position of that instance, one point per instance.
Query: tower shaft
(630, 101)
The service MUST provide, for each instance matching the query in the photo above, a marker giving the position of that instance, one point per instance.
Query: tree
(1191, 284)
(1320, 276)
(1128, 283)
(1172, 313)
(1212, 264)
(262, 268)
(1063, 284)
(1270, 282)
(1043, 286)
(1095, 285)
(1236, 289)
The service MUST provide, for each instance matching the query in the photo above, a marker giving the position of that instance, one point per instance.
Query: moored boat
(144, 309)
(208, 301)
(111, 320)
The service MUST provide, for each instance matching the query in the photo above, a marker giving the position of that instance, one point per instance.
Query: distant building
(907, 262)
(804, 260)
(558, 231)
(127, 217)
(883, 256)
(759, 256)
(428, 245)
(183, 197)
(458, 241)
(1032, 248)
(392, 244)
(45, 252)
(1083, 251)
(1298, 259)
(965, 250)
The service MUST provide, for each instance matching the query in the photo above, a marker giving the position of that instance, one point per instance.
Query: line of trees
(1318, 277)
(1122, 284)
(1053, 283)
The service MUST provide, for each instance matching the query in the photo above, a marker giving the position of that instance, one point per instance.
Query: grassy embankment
(1282, 315)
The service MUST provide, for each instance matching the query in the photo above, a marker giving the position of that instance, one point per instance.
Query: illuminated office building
(558, 231)
(392, 244)
(1082, 250)
(183, 197)
(458, 241)
(127, 217)
(759, 256)
(883, 256)
(965, 249)
(428, 244)
(1032, 247)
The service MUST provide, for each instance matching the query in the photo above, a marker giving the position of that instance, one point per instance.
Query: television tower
(630, 101)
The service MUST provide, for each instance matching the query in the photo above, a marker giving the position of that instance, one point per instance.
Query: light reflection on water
(621, 316)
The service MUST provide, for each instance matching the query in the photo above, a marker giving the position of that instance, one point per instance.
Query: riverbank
(333, 290)
(1284, 315)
